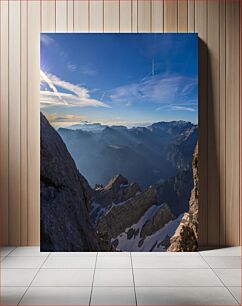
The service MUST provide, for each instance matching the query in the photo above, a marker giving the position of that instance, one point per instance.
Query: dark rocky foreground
(65, 194)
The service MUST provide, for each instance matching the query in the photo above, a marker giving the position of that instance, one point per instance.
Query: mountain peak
(116, 182)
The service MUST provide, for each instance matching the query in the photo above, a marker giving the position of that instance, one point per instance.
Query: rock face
(116, 191)
(124, 215)
(186, 236)
(158, 221)
(65, 194)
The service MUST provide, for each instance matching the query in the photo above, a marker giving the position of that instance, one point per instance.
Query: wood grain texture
(111, 16)
(134, 16)
(213, 123)
(70, 15)
(61, 16)
(24, 125)
(81, 16)
(232, 121)
(201, 28)
(4, 122)
(144, 16)
(14, 122)
(217, 24)
(125, 16)
(171, 15)
(96, 16)
(183, 15)
(33, 212)
(157, 13)
(222, 127)
(191, 16)
(48, 16)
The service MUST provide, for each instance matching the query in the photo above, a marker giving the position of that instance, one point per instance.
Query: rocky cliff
(65, 194)
(186, 236)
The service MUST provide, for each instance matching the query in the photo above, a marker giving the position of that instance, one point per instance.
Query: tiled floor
(29, 277)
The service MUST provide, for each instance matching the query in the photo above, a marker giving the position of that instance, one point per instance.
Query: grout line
(133, 279)
(90, 299)
(239, 302)
(34, 278)
(220, 279)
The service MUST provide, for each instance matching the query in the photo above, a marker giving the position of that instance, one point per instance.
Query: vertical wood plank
(134, 16)
(4, 122)
(111, 16)
(222, 141)
(96, 16)
(171, 15)
(213, 124)
(61, 15)
(14, 122)
(191, 16)
(157, 16)
(81, 16)
(33, 123)
(125, 16)
(201, 28)
(144, 15)
(232, 121)
(182, 15)
(48, 16)
(23, 125)
(70, 16)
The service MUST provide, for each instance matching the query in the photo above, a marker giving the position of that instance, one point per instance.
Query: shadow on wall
(209, 175)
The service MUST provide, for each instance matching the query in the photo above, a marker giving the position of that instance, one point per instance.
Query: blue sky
(119, 79)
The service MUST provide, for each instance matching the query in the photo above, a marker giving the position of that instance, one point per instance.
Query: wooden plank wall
(217, 23)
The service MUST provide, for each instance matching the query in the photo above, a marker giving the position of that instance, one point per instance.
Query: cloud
(58, 120)
(159, 89)
(47, 40)
(71, 95)
(182, 108)
(71, 67)
(88, 71)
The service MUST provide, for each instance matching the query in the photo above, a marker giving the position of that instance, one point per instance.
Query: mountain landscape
(144, 155)
(143, 192)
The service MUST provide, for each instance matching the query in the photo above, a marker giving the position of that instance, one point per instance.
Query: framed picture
(119, 134)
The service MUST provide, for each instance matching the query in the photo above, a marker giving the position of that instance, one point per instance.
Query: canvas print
(119, 142)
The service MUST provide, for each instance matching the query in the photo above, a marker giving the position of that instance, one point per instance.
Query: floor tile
(57, 296)
(113, 262)
(231, 251)
(28, 251)
(17, 277)
(113, 296)
(70, 262)
(219, 262)
(169, 262)
(23, 262)
(73, 254)
(64, 277)
(236, 292)
(173, 277)
(115, 254)
(6, 250)
(113, 277)
(12, 295)
(184, 296)
(230, 277)
(165, 254)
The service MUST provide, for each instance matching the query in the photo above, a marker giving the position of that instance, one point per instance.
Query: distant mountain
(65, 195)
(145, 155)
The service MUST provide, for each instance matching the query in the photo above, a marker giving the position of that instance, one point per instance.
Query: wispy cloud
(60, 120)
(159, 89)
(46, 40)
(71, 95)
(88, 71)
